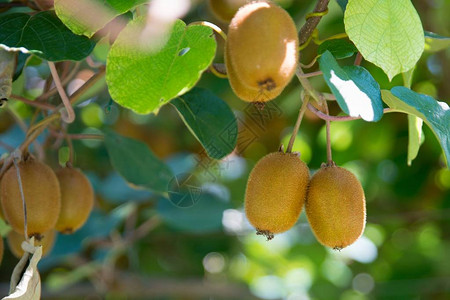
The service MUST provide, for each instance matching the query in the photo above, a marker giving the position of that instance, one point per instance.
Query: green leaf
(342, 4)
(338, 47)
(388, 33)
(434, 113)
(136, 163)
(415, 137)
(357, 93)
(210, 120)
(204, 216)
(86, 17)
(142, 79)
(43, 34)
(435, 42)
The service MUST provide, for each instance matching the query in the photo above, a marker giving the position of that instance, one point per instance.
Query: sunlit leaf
(435, 42)
(357, 93)
(143, 79)
(415, 137)
(388, 33)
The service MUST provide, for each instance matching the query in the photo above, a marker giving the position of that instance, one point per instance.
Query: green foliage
(88, 16)
(210, 120)
(339, 48)
(136, 163)
(143, 78)
(435, 42)
(357, 93)
(387, 33)
(43, 34)
(436, 114)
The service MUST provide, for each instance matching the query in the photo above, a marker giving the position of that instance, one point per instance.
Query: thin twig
(33, 103)
(312, 74)
(329, 154)
(297, 123)
(326, 117)
(87, 85)
(70, 117)
(358, 59)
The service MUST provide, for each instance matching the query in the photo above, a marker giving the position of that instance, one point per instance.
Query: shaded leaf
(143, 79)
(338, 47)
(357, 93)
(43, 34)
(435, 42)
(136, 163)
(415, 137)
(210, 120)
(435, 113)
(387, 33)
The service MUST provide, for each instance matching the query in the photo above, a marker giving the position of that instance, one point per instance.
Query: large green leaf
(136, 163)
(143, 79)
(434, 113)
(388, 33)
(357, 93)
(88, 16)
(204, 216)
(43, 34)
(210, 120)
(435, 42)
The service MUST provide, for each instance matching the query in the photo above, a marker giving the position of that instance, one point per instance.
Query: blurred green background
(208, 250)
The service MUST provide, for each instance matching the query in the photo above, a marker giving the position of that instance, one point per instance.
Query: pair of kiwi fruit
(279, 186)
(261, 50)
(60, 201)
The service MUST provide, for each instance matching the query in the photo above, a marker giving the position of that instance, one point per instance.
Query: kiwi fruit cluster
(261, 51)
(279, 186)
(60, 201)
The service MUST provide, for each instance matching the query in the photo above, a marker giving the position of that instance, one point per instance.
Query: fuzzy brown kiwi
(77, 199)
(47, 240)
(276, 191)
(261, 51)
(42, 197)
(225, 9)
(336, 207)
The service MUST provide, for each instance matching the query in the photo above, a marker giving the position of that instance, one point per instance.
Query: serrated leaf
(142, 79)
(388, 33)
(415, 137)
(210, 120)
(43, 34)
(357, 93)
(434, 113)
(338, 47)
(88, 16)
(136, 163)
(435, 42)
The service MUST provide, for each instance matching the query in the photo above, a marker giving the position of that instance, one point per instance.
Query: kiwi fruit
(276, 191)
(261, 51)
(225, 10)
(47, 240)
(77, 199)
(336, 207)
(42, 197)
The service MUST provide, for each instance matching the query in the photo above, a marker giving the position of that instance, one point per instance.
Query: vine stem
(312, 22)
(70, 117)
(328, 125)
(297, 123)
(16, 158)
(33, 103)
(327, 117)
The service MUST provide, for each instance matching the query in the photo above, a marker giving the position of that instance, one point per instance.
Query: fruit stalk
(297, 123)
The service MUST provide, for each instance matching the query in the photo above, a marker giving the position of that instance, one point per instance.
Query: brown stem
(329, 154)
(297, 123)
(358, 59)
(311, 23)
(326, 117)
(40, 105)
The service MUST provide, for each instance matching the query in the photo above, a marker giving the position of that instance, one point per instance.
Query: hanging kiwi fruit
(336, 207)
(261, 51)
(276, 192)
(46, 240)
(77, 199)
(42, 197)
